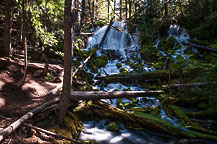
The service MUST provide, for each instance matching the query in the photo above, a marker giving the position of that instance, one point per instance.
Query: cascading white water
(118, 39)
(124, 47)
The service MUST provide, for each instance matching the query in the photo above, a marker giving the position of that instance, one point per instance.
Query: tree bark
(11, 128)
(96, 95)
(108, 6)
(96, 10)
(165, 7)
(6, 49)
(68, 52)
(120, 9)
(24, 45)
(126, 9)
(130, 8)
(214, 5)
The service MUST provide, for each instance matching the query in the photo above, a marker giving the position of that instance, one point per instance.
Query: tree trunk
(165, 7)
(24, 45)
(214, 5)
(126, 9)
(108, 6)
(120, 9)
(6, 49)
(114, 7)
(96, 10)
(68, 52)
(82, 20)
(130, 8)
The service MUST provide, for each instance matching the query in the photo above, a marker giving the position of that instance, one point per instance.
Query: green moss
(167, 44)
(69, 123)
(123, 71)
(113, 126)
(120, 104)
(128, 105)
(149, 53)
(65, 132)
(119, 65)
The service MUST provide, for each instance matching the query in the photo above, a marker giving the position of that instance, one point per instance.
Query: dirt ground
(15, 102)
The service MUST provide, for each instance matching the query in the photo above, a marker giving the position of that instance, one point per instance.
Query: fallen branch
(200, 47)
(94, 95)
(200, 84)
(106, 32)
(52, 134)
(7, 131)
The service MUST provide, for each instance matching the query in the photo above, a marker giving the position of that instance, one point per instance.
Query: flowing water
(121, 47)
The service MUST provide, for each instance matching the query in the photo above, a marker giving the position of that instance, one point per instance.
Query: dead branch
(200, 84)
(200, 47)
(52, 134)
(11, 128)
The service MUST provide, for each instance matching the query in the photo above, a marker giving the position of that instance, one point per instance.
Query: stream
(121, 47)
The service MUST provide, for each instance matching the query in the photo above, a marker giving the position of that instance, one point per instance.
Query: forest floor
(15, 102)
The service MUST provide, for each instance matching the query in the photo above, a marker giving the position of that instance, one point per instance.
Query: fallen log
(200, 47)
(200, 84)
(53, 134)
(135, 77)
(94, 95)
(7, 131)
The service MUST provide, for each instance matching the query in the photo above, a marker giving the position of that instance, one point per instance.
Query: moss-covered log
(142, 121)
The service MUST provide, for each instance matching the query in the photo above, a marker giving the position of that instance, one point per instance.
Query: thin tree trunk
(96, 10)
(82, 20)
(114, 7)
(68, 52)
(126, 9)
(108, 6)
(214, 5)
(120, 9)
(6, 51)
(130, 8)
(165, 7)
(24, 45)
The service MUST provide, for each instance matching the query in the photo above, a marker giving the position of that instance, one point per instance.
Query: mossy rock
(123, 71)
(113, 126)
(119, 104)
(118, 65)
(129, 105)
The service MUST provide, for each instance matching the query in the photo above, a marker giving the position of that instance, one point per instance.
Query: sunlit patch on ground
(2, 102)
